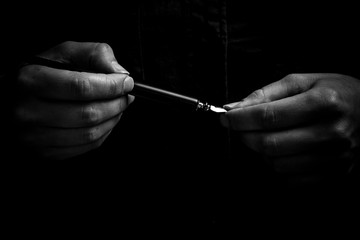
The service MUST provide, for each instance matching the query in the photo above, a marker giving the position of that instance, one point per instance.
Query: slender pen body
(143, 90)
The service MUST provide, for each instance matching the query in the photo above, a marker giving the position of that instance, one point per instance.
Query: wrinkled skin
(305, 125)
(65, 113)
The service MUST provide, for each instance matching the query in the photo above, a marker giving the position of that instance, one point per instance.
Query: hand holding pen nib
(74, 95)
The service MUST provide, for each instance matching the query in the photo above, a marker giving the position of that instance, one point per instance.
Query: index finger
(72, 85)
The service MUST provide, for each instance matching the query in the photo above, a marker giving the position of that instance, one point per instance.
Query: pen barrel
(140, 89)
(162, 95)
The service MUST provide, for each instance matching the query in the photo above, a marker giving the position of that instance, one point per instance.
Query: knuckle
(90, 114)
(298, 80)
(66, 44)
(313, 98)
(25, 75)
(90, 135)
(342, 130)
(294, 77)
(331, 99)
(342, 136)
(100, 49)
(80, 86)
(113, 85)
(327, 99)
(259, 94)
(268, 118)
(268, 145)
(293, 83)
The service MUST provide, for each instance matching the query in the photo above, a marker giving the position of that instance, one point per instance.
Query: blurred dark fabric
(163, 167)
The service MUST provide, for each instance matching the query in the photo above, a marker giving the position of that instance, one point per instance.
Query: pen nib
(217, 109)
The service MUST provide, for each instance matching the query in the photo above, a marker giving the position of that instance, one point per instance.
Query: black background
(164, 168)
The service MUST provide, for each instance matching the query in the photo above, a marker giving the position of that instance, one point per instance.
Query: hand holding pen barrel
(76, 94)
(139, 89)
(64, 113)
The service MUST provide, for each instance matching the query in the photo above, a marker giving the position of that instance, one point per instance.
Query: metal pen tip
(217, 109)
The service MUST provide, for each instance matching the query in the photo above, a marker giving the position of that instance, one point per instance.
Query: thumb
(288, 86)
(96, 57)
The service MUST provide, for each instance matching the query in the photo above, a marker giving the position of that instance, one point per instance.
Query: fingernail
(118, 68)
(227, 107)
(224, 120)
(128, 84)
(130, 99)
(231, 105)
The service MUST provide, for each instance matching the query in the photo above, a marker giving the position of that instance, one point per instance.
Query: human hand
(66, 113)
(306, 125)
